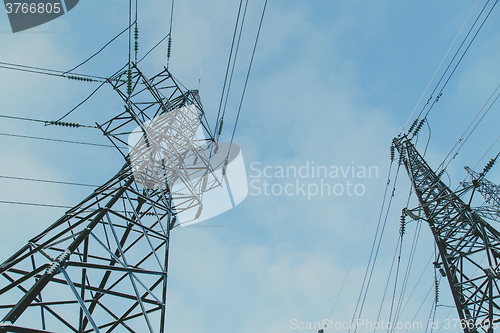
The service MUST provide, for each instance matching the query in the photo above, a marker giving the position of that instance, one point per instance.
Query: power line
(461, 57)
(205, 43)
(487, 151)
(88, 97)
(379, 233)
(23, 118)
(102, 48)
(462, 140)
(46, 181)
(154, 47)
(248, 74)
(452, 60)
(52, 72)
(169, 46)
(232, 69)
(33, 204)
(56, 140)
(360, 238)
(449, 49)
(136, 34)
(416, 285)
(79, 104)
(228, 66)
(47, 122)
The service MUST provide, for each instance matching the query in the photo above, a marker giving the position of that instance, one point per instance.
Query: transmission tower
(102, 266)
(469, 247)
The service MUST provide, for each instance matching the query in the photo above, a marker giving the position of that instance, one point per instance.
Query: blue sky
(332, 82)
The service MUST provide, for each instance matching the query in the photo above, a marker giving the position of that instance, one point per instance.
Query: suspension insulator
(62, 123)
(488, 166)
(147, 213)
(80, 78)
(220, 126)
(442, 272)
(413, 125)
(419, 126)
(392, 153)
(436, 290)
(411, 214)
(204, 184)
(224, 168)
(169, 47)
(440, 173)
(198, 213)
(136, 37)
(402, 228)
(129, 82)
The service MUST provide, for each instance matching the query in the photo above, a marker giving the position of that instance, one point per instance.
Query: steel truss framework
(469, 247)
(490, 209)
(102, 266)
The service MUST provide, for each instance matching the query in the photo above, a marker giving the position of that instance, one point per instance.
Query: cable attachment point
(412, 215)
(437, 266)
(437, 98)
(59, 264)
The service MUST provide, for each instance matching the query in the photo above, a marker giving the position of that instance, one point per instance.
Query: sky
(332, 82)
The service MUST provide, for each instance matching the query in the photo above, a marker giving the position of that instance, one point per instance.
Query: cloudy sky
(332, 82)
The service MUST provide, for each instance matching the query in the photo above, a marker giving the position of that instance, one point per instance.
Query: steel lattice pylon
(469, 247)
(103, 265)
